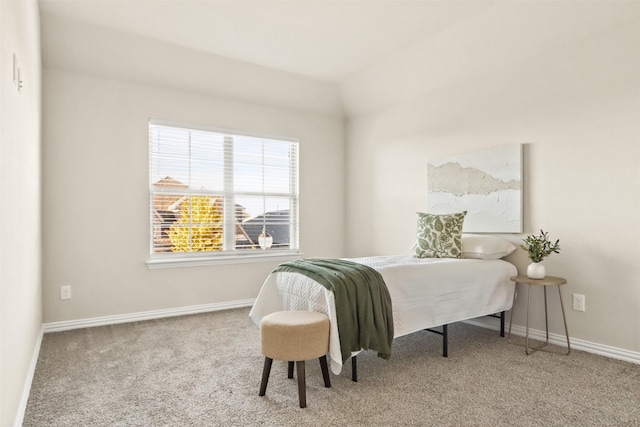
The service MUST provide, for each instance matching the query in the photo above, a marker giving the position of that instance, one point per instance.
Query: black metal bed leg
(354, 369)
(445, 340)
(502, 316)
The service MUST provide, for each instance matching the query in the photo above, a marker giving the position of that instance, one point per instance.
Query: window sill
(232, 258)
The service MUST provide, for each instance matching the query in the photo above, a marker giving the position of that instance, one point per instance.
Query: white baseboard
(561, 340)
(145, 315)
(24, 399)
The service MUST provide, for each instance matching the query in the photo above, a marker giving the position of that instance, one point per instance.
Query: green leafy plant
(539, 246)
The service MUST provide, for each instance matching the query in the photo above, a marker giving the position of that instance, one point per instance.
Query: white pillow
(485, 247)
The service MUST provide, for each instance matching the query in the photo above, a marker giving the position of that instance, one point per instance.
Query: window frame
(226, 256)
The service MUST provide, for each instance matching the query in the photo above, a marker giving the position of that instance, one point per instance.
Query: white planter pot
(535, 270)
(265, 241)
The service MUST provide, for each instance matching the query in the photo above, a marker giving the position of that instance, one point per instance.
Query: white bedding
(425, 292)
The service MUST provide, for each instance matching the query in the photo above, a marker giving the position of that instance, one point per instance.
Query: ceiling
(325, 39)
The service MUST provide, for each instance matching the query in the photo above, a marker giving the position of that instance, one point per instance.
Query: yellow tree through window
(200, 226)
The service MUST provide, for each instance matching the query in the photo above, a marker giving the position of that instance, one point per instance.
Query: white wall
(20, 250)
(95, 165)
(563, 78)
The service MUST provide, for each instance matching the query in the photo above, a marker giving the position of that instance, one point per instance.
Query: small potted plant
(538, 248)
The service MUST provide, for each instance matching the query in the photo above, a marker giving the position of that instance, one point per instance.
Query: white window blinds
(217, 191)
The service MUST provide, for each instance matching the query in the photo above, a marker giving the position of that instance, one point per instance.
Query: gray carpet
(204, 370)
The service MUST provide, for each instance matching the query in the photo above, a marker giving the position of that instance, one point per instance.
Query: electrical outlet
(578, 302)
(65, 292)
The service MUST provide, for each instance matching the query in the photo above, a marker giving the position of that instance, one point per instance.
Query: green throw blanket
(363, 304)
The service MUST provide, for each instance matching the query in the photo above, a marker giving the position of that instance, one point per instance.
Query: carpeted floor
(204, 370)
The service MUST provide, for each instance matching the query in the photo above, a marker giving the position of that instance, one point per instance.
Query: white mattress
(425, 292)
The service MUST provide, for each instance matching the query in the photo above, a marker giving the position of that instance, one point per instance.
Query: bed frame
(445, 343)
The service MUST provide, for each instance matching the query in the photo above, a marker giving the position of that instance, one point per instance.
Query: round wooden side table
(547, 281)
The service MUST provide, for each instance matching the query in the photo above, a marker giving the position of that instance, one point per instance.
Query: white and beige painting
(487, 184)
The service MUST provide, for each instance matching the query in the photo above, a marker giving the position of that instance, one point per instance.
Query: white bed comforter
(425, 292)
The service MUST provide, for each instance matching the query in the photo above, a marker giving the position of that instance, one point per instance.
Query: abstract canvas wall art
(486, 183)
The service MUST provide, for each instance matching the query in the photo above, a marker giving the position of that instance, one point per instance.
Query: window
(221, 193)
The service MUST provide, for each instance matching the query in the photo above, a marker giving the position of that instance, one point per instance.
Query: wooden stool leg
(325, 371)
(265, 375)
(354, 369)
(290, 370)
(302, 388)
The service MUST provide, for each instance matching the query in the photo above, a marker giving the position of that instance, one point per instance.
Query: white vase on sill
(535, 270)
(265, 240)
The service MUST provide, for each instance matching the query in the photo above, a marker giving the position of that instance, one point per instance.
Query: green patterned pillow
(439, 235)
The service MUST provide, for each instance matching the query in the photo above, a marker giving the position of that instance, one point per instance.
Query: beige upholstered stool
(295, 336)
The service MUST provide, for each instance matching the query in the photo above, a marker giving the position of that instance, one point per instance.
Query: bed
(425, 293)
